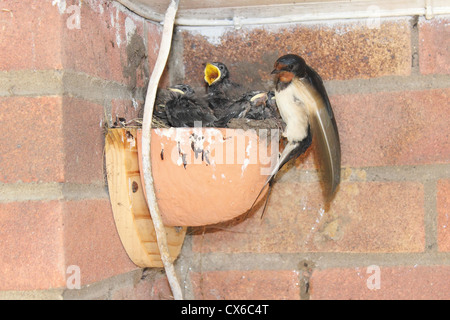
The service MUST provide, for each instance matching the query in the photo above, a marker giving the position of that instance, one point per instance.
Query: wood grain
(131, 214)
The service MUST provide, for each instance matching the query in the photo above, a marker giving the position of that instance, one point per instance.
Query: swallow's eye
(184, 89)
(221, 68)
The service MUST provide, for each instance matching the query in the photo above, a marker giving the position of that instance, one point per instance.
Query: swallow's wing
(191, 112)
(317, 83)
(237, 109)
(324, 129)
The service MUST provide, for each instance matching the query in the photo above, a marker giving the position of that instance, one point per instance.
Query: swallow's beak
(259, 97)
(176, 90)
(275, 71)
(212, 73)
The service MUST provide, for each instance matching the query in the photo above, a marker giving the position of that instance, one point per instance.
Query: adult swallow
(183, 109)
(305, 108)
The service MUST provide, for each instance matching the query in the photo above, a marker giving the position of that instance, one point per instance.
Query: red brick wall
(389, 87)
(390, 90)
(58, 81)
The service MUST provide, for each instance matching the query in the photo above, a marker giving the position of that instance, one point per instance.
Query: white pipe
(141, 11)
(160, 64)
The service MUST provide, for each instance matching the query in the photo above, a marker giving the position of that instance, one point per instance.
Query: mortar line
(95, 89)
(184, 269)
(65, 82)
(51, 191)
(389, 83)
(415, 58)
(391, 173)
(176, 61)
(430, 215)
(420, 173)
(30, 83)
(322, 260)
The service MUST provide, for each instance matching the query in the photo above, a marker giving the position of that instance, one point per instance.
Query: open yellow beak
(212, 73)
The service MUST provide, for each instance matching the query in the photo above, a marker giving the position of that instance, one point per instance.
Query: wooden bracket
(131, 213)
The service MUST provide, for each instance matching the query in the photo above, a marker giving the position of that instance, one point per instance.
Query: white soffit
(250, 12)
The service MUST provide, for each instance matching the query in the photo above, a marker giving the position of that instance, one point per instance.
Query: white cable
(160, 64)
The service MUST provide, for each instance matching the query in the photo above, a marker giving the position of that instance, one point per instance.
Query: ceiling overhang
(254, 12)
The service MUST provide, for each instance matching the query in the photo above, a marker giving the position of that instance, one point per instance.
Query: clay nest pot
(205, 176)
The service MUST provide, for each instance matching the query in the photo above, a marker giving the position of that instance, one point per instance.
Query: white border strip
(289, 13)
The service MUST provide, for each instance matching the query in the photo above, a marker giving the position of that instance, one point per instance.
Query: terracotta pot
(205, 175)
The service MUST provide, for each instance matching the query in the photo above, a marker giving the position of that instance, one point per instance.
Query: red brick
(443, 209)
(393, 128)
(91, 241)
(246, 285)
(32, 254)
(57, 145)
(31, 35)
(364, 217)
(337, 51)
(154, 36)
(154, 40)
(128, 109)
(434, 46)
(160, 289)
(41, 239)
(83, 141)
(99, 47)
(408, 282)
(31, 140)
